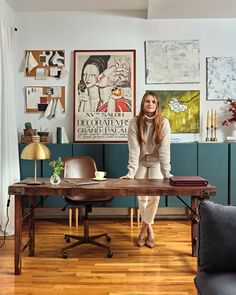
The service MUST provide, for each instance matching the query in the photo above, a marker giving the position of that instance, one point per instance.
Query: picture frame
(221, 83)
(172, 61)
(44, 63)
(104, 94)
(181, 108)
(37, 98)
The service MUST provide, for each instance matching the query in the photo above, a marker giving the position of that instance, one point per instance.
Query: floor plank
(168, 269)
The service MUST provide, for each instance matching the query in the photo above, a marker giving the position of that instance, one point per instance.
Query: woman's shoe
(141, 241)
(150, 243)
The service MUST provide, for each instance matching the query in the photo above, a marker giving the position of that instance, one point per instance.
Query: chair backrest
(82, 167)
(79, 167)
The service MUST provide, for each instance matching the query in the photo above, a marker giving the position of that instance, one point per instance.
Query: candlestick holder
(212, 133)
(207, 137)
(215, 139)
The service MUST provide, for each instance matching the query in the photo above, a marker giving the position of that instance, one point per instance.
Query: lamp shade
(35, 151)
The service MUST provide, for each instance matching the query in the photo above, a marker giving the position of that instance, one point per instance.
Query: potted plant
(58, 166)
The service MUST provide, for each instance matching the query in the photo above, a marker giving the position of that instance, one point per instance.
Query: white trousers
(148, 204)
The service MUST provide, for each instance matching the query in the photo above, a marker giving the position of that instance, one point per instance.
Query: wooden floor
(168, 269)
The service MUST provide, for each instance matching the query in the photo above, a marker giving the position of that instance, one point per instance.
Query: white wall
(6, 12)
(93, 31)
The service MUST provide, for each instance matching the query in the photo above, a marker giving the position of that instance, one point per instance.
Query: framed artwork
(172, 61)
(182, 109)
(41, 98)
(43, 63)
(104, 94)
(221, 78)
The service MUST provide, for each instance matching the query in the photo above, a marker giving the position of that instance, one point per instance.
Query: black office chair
(84, 167)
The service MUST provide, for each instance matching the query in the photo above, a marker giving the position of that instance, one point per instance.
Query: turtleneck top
(149, 154)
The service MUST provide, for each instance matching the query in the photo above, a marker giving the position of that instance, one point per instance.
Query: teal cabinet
(115, 165)
(213, 164)
(183, 163)
(57, 150)
(232, 174)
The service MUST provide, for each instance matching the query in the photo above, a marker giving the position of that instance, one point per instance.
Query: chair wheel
(64, 255)
(67, 239)
(109, 253)
(108, 239)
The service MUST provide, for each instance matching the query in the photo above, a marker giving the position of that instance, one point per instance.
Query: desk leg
(18, 234)
(31, 227)
(194, 225)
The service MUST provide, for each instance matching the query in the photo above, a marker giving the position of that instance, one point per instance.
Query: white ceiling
(153, 9)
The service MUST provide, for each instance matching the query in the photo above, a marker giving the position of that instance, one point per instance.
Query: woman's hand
(124, 177)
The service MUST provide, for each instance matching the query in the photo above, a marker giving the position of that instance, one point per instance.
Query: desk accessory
(188, 181)
(35, 151)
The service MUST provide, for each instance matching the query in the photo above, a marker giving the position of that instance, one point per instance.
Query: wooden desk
(110, 187)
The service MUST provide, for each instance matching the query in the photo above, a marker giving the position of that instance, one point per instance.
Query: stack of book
(230, 139)
(60, 136)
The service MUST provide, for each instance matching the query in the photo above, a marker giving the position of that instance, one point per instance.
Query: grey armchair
(217, 250)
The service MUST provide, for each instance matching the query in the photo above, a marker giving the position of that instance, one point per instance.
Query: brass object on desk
(35, 151)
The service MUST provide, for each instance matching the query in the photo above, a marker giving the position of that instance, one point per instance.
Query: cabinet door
(89, 149)
(213, 165)
(57, 150)
(232, 178)
(183, 163)
(115, 165)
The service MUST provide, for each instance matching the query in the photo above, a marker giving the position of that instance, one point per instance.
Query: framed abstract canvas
(182, 109)
(221, 81)
(104, 94)
(172, 61)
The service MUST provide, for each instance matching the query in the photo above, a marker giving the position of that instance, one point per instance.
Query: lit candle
(215, 119)
(212, 118)
(207, 122)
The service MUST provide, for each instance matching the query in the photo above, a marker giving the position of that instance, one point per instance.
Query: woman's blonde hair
(157, 121)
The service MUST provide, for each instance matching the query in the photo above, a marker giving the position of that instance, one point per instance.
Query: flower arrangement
(58, 166)
(232, 108)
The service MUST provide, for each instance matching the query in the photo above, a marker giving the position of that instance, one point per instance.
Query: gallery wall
(98, 31)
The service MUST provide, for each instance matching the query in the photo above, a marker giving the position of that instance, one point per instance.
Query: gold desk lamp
(35, 151)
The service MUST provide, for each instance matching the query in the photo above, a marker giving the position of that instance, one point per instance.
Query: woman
(149, 157)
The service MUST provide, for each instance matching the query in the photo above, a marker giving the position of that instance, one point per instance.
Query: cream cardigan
(149, 154)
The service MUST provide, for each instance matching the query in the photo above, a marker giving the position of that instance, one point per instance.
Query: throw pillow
(217, 237)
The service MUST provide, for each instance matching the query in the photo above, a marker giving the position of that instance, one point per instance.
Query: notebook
(188, 181)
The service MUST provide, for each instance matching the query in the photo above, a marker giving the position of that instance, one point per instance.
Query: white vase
(55, 179)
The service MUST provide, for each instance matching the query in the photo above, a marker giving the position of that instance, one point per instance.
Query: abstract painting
(172, 62)
(182, 109)
(221, 78)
